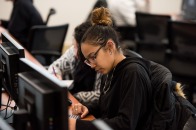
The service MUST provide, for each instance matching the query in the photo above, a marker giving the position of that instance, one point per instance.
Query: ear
(110, 45)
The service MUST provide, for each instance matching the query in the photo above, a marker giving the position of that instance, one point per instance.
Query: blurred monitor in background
(188, 9)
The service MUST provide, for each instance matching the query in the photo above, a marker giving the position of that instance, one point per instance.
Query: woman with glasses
(126, 100)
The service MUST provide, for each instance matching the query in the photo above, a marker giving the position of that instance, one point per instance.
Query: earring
(110, 52)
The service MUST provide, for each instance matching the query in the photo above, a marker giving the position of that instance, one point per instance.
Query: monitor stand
(20, 120)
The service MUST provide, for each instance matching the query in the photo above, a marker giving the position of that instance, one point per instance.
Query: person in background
(123, 14)
(123, 11)
(98, 4)
(23, 16)
(126, 100)
(86, 81)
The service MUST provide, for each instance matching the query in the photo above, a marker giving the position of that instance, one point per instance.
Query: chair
(191, 123)
(131, 53)
(152, 38)
(127, 36)
(181, 58)
(46, 42)
(51, 12)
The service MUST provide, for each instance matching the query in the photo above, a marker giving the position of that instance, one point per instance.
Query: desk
(31, 58)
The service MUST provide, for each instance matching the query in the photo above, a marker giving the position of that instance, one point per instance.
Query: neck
(118, 58)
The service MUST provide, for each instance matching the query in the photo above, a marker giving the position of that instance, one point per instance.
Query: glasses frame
(93, 57)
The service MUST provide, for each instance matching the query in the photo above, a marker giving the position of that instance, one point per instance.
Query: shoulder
(133, 63)
(160, 74)
(24, 3)
(67, 58)
(131, 68)
(24, 8)
(136, 68)
(70, 52)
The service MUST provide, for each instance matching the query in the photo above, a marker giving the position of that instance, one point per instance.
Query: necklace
(105, 88)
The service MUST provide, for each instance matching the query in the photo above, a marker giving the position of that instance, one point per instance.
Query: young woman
(126, 100)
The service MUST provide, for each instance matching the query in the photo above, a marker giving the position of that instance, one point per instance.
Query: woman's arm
(64, 64)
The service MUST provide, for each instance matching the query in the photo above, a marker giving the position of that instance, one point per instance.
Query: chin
(101, 71)
(104, 72)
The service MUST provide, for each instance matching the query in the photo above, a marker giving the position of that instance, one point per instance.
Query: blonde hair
(179, 90)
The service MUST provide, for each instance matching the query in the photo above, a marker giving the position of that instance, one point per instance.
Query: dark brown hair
(79, 31)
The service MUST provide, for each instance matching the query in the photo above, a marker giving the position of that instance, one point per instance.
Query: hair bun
(101, 16)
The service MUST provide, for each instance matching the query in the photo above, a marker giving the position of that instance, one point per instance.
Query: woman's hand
(79, 109)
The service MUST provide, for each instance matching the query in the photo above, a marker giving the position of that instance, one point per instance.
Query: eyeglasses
(91, 59)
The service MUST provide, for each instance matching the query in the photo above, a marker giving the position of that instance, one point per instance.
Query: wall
(165, 6)
(76, 11)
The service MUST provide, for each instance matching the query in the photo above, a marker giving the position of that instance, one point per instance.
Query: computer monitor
(42, 100)
(188, 9)
(4, 125)
(10, 52)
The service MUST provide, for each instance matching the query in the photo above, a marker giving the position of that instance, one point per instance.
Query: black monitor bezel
(187, 12)
(10, 52)
(34, 81)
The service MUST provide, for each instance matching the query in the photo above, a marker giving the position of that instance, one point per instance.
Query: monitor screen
(10, 52)
(189, 9)
(44, 99)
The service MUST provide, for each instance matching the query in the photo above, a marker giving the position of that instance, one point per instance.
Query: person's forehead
(88, 48)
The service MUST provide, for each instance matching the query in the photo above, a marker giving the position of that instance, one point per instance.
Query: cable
(11, 114)
(8, 105)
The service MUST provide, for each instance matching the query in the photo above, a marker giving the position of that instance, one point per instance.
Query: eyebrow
(89, 55)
